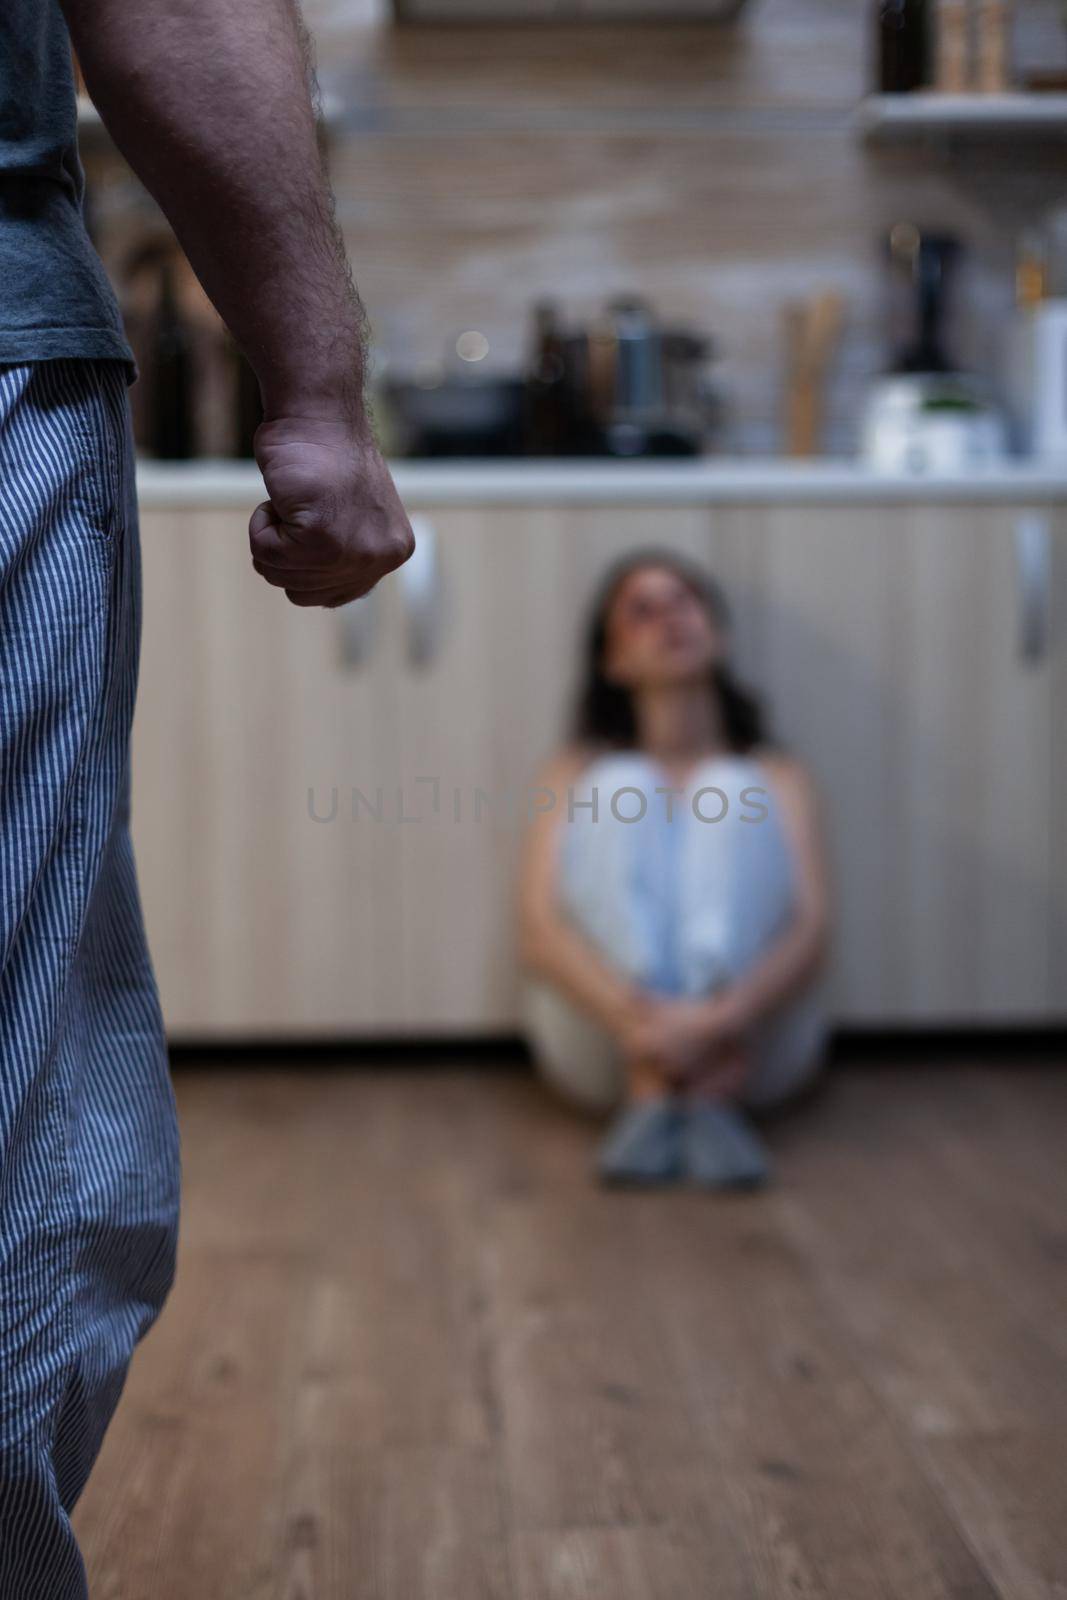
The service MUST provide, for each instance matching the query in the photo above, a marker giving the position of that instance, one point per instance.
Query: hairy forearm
(212, 106)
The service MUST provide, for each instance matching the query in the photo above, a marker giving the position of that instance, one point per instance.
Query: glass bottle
(902, 49)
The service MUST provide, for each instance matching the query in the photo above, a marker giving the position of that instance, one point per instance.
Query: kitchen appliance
(920, 423)
(922, 265)
(454, 414)
(925, 415)
(638, 388)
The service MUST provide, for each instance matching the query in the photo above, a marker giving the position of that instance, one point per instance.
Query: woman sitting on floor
(673, 900)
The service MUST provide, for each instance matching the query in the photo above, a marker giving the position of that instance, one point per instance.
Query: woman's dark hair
(604, 712)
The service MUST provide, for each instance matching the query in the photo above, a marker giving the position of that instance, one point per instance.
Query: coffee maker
(925, 414)
(625, 386)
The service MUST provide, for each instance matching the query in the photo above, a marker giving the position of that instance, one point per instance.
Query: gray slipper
(644, 1145)
(721, 1149)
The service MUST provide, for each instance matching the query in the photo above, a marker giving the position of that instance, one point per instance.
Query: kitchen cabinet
(327, 806)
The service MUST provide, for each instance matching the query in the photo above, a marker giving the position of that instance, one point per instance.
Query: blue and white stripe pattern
(89, 1146)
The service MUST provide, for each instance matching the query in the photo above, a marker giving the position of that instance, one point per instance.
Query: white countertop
(714, 481)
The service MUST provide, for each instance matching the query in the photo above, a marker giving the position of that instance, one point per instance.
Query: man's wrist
(327, 396)
(334, 430)
(321, 409)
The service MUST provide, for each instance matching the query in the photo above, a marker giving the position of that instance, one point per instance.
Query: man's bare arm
(211, 103)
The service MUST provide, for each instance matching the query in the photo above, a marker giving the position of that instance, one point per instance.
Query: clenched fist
(333, 524)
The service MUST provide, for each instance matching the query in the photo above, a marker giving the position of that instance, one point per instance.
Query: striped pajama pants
(89, 1143)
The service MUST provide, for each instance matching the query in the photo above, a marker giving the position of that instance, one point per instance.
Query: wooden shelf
(884, 118)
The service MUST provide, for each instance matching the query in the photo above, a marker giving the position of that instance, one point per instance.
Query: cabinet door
(251, 723)
(891, 645)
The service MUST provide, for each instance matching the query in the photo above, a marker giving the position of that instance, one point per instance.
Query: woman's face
(659, 632)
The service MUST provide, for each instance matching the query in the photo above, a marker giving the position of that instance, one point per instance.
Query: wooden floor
(413, 1353)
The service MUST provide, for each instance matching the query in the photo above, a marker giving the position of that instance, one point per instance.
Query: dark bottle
(172, 432)
(923, 266)
(546, 410)
(901, 45)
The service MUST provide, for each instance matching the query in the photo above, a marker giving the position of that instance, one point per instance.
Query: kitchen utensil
(813, 330)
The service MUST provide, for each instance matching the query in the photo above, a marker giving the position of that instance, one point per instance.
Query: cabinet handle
(420, 587)
(1033, 567)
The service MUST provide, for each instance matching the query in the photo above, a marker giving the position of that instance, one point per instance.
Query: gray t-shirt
(55, 299)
